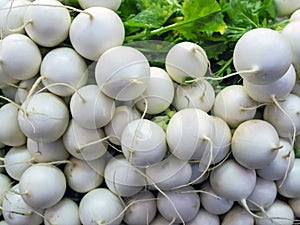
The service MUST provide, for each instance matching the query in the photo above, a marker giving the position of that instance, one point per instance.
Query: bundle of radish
(101, 125)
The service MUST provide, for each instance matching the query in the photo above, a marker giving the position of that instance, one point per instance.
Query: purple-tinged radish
(237, 216)
(204, 217)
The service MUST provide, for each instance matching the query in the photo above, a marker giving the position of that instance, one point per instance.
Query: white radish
(263, 195)
(122, 178)
(122, 73)
(232, 181)
(96, 30)
(281, 165)
(237, 216)
(90, 108)
(143, 143)
(255, 143)
(278, 89)
(43, 117)
(278, 213)
(285, 116)
(112, 4)
(181, 204)
(81, 176)
(47, 152)
(11, 17)
(122, 116)
(15, 49)
(186, 61)
(42, 175)
(291, 32)
(101, 206)
(200, 94)
(5, 186)
(294, 203)
(252, 60)
(222, 139)
(234, 106)
(63, 65)
(25, 87)
(17, 212)
(295, 15)
(212, 203)
(169, 173)
(37, 26)
(199, 174)
(290, 187)
(204, 217)
(159, 93)
(141, 208)
(10, 132)
(82, 143)
(65, 210)
(16, 161)
(181, 142)
(5, 79)
(286, 7)
(160, 220)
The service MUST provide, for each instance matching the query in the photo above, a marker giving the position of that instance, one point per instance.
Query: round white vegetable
(81, 177)
(238, 216)
(16, 161)
(169, 173)
(212, 203)
(143, 142)
(17, 212)
(200, 95)
(65, 210)
(278, 89)
(122, 73)
(63, 65)
(253, 59)
(204, 217)
(122, 178)
(255, 144)
(100, 206)
(159, 93)
(181, 142)
(111, 4)
(82, 143)
(96, 30)
(290, 187)
(38, 27)
(5, 186)
(186, 60)
(281, 165)
(285, 119)
(180, 204)
(43, 117)
(11, 17)
(90, 108)
(280, 211)
(234, 106)
(122, 116)
(141, 208)
(232, 181)
(10, 132)
(47, 152)
(286, 7)
(42, 175)
(15, 49)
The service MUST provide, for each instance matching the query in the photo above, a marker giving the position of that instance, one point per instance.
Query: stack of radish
(81, 137)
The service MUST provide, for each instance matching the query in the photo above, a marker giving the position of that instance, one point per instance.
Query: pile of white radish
(91, 133)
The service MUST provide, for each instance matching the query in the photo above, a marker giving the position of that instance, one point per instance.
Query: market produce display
(141, 112)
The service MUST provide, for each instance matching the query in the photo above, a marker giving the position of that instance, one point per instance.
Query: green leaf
(152, 17)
